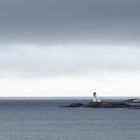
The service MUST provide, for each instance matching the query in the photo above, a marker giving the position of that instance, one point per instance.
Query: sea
(47, 119)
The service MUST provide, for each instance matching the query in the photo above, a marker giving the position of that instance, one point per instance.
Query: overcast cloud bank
(59, 21)
(29, 61)
(48, 46)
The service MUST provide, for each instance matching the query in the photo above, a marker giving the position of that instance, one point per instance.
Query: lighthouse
(95, 98)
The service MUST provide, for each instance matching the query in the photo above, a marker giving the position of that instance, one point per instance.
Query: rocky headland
(108, 104)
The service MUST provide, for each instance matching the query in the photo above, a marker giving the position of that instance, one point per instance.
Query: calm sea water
(46, 120)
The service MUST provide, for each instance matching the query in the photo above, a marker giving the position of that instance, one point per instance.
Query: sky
(66, 48)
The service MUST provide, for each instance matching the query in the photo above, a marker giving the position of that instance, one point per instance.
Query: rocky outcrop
(100, 105)
(75, 105)
(129, 103)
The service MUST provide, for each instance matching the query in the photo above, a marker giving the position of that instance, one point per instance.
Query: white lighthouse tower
(95, 98)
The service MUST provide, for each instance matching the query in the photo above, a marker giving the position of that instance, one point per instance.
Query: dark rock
(75, 105)
(103, 104)
(108, 104)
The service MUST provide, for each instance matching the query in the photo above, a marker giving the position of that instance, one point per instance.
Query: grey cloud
(58, 21)
(51, 62)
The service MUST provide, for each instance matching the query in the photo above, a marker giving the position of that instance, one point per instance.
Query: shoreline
(73, 102)
(128, 103)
